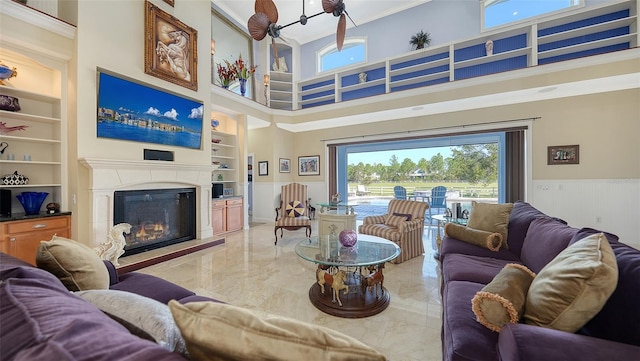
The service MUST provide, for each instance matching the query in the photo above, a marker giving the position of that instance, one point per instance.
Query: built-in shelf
(41, 138)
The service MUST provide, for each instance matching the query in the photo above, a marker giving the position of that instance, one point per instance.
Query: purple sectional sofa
(42, 320)
(534, 239)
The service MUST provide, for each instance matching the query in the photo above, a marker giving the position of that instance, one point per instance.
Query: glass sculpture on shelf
(32, 201)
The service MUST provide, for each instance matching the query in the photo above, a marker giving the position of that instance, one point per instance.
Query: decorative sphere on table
(348, 237)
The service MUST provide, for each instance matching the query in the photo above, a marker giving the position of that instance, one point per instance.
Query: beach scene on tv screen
(134, 112)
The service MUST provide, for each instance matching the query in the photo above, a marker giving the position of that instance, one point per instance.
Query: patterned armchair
(293, 211)
(398, 227)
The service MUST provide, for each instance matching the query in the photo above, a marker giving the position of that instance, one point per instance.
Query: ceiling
(361, 11)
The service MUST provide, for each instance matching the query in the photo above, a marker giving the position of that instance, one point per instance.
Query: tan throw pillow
(394, 220)
(489, 240)
(574, 286)
(502, 300)
(491, 218)
(217, 331)
(77, 266)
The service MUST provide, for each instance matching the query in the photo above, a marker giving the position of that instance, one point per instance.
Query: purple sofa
(42, 320)
(534, 239)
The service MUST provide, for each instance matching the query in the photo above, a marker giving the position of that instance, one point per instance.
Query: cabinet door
(235, 217)
(25, 245)
(219, 217)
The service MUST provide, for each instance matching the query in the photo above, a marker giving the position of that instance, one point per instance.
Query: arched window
(353, 51)
(501, 12)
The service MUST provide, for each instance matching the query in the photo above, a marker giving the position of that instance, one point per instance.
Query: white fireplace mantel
(107, 176)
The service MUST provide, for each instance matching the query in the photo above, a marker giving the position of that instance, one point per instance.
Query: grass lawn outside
(467, 190)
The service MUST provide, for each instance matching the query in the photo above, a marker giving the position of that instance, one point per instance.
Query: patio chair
(400, 192)
(403, 224)
(293, 211)
(362, 191)
(437, 201)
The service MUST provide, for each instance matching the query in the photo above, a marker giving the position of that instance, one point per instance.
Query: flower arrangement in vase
(238, 70)
(243, 72)
(226, 73)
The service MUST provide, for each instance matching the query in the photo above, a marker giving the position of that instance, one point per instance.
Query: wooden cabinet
(219, 216)
(234, 215)
(21, 238)
(227, 215)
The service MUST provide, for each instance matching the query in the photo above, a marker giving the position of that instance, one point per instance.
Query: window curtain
(333, 176)
(514, 164)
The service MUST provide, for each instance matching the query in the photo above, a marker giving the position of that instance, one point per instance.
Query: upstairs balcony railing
(590, 31)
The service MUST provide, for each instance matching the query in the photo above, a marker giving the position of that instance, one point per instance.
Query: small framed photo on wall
(263, 168)
(285, 165)
(563, 154)
(309, 165)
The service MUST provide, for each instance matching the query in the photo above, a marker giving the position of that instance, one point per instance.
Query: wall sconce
(213, 47)
(213, 63)
(267, 80)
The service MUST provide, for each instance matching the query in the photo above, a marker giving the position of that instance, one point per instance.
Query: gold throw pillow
(217, 331)
(492, 218)
(502, 300)
(76, 265)
(489, 240)
(574, 286)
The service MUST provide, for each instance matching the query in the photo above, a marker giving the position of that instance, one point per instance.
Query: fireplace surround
(107, 176)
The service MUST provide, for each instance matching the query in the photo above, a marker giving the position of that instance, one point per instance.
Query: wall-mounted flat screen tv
(133, 111)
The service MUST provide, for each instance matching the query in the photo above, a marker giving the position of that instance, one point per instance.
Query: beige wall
(111, 36)
(606, 126)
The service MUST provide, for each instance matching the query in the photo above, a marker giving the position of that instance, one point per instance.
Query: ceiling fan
(265, 20)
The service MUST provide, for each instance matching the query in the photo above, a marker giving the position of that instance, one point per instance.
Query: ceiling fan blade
(268, 7)
(329, 5)
(342, 29)
(257, 25)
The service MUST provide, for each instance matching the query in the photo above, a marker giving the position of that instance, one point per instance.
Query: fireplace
(158, 217)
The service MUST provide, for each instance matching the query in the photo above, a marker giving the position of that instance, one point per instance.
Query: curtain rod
(431, 129)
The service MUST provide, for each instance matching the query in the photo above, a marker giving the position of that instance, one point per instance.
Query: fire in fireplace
(158, 217)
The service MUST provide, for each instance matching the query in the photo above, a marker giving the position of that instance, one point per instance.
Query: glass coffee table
(355, 272)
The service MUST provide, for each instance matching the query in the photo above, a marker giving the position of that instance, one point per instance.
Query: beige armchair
(293, 212)
(403, 224)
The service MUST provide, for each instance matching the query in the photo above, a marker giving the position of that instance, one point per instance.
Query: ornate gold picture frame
(170, 48)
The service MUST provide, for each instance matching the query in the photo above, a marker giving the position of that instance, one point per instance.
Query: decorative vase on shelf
(32, 201)
(348, 238)
(243, 86)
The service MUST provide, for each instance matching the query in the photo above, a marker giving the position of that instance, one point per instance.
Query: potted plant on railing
(420, 40)
(243, 72)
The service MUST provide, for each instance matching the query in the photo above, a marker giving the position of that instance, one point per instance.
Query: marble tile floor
(249, 271)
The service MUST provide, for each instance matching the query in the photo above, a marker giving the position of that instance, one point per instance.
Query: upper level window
(353, 51)
(501, 12)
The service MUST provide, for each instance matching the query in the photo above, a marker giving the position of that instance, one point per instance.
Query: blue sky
(126, 96)
(383, 157)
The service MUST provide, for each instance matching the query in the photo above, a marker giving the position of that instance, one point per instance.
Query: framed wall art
(309, 165)
(263, 168)
(227, 192)
(285, 165)
(563, 154)
(170, 48)
(131, 110)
